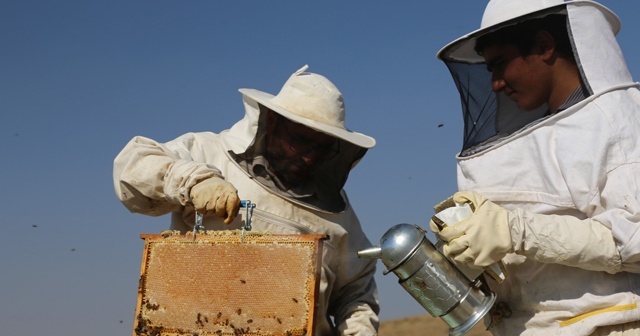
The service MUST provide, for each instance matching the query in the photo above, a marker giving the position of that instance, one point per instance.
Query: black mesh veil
(486, 114)
(477, 99)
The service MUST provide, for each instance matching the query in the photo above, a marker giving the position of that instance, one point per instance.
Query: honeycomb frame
(228, 283)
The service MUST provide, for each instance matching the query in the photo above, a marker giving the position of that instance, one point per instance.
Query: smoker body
(431, 279)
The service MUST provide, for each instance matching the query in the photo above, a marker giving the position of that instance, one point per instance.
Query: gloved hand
(492, 231)
(215, 195)
(481, 239)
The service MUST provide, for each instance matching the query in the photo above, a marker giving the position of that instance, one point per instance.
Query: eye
(497, 65)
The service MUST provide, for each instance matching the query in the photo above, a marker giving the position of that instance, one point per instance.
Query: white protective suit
(154, 178)
(582, 162)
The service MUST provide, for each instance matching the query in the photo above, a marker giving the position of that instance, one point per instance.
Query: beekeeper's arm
(354, 299)
(492, 231)
(358, 316)
(151, 179)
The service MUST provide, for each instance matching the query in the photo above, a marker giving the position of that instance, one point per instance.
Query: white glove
(215, 195)
(492, 232)
(481, 239)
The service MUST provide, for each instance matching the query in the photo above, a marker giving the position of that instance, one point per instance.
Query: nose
(497, 83)
(310, 157)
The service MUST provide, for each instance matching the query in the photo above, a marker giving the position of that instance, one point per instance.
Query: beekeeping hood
(487, 115)
(312, 100)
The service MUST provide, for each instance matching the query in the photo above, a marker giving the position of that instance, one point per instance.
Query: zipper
(283, 222)
(280, 221)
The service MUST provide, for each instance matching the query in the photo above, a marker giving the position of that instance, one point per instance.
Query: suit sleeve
(151, 179)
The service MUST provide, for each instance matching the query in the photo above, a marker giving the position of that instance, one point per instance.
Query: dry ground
(423, 325)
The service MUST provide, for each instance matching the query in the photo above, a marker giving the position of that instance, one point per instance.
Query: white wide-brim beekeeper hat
(311, 100)
(502, 13)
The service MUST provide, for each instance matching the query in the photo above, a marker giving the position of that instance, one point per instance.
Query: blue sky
(80, 78)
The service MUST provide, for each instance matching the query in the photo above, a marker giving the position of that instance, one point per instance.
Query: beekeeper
(551, 164)
(290, 155)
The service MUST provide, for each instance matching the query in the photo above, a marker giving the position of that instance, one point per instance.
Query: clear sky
(78, 79)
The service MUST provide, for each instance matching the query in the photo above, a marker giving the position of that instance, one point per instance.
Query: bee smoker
(431, 279)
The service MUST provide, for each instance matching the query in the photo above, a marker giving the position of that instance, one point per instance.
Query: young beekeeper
(290, 155)
(551, 164)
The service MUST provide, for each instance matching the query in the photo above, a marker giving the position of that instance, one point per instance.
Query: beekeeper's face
(524, 79)
(294, 149)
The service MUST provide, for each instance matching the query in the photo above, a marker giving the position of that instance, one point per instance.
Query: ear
(546, 44)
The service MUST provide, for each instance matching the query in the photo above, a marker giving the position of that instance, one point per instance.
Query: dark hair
(523, 35)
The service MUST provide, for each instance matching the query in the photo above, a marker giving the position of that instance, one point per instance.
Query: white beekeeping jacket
(583, 162)
(154, 178)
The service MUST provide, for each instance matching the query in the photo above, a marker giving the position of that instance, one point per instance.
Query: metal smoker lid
(399, 243)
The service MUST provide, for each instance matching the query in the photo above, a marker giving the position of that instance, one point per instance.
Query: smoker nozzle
(371, 253)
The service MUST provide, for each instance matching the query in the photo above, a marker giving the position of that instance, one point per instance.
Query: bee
(151, 306)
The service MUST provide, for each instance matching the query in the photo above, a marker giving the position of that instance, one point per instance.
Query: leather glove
(492, 231)
(217, 196)
(481, 239)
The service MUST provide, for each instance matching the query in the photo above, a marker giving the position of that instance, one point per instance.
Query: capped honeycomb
(228, 283)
